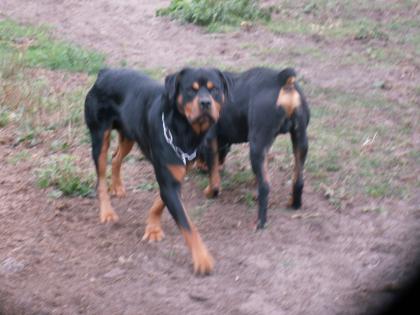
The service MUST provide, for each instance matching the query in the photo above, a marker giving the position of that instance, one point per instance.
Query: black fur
(251, 115)
(133, 104)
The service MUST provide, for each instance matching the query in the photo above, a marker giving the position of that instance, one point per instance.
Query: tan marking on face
(196, 86)
(192, 109)
(178, 171)
(210, 85)
(289, 97)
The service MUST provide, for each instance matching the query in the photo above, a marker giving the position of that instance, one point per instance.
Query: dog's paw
(260, 225)
(118, 191)
(153, 233)
(293, 204)
(108, 215)
(210, 192)
(203, 262)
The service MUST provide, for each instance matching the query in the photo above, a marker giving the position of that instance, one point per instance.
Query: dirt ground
(55, 257)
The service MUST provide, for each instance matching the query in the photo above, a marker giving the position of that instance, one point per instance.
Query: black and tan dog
(264, 103)
(168, 123)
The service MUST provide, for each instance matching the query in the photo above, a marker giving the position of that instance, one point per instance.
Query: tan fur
(154, 230)
(289, 97)
(107, 214)
(124, 147)
(214, 180)
(203, 262)
(178, 171)
(192, 109)
(297, 169)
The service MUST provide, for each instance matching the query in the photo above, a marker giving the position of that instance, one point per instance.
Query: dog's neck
(183, 135)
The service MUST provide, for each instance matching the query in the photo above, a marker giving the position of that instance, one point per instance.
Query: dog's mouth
(204, 118)
(202, 123)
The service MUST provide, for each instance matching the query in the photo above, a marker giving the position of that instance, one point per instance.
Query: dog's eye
(195, 86)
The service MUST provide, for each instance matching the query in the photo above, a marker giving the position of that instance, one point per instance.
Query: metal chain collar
(169, 139)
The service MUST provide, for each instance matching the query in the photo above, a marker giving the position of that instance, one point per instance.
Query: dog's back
(117, 95)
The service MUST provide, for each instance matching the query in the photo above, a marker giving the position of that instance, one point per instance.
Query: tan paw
(203, 263)
(108, 216)
(118, 191)
(153, 233)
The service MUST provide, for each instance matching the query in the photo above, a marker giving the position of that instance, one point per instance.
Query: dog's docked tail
(289, 98)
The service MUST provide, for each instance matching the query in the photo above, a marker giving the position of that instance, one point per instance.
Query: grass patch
(36, 47)
(239, 178)
(358, 147)
(215, 14)
(19, 157)
(148, 186)
(35, 107)
(4, 117)
(62, 173)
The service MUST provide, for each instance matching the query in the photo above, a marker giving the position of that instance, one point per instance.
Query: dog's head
(197, 94)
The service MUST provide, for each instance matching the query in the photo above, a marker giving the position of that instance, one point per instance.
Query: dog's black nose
(205, 103)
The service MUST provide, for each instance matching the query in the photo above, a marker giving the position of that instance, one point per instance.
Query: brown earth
(55, 257)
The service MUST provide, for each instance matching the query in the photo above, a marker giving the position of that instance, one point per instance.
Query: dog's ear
(227, 84)
(287, 76)
(172, 85)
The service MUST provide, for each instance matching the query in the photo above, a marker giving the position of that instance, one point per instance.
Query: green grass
(238, 178)
(36, 47)
(215, 14)
(4, 117)
(35, 108)
(148, 186)
(19, 157)
(352, 151)
(62, 173)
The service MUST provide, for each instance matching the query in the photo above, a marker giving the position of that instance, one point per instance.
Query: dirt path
(55, 258)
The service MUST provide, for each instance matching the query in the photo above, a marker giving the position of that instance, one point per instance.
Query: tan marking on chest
(289, 97)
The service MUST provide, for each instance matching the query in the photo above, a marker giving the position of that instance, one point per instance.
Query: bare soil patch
(55, 257)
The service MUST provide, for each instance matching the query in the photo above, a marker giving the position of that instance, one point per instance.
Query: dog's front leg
(212, 160)
(170, 178)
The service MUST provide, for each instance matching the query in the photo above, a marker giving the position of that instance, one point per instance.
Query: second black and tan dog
(168, 123)
(263, 104)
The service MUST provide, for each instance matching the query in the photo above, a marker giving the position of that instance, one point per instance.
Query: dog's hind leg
(100, 146)
(300, 149)
(258, 155)
(124, 147)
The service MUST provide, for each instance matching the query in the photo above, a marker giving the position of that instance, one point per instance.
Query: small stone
(11, 265)
(114, 273)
